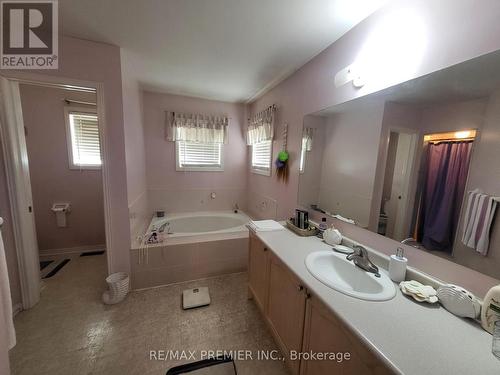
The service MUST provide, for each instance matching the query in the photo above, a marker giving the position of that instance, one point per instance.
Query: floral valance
(261, 126)
(192, 127)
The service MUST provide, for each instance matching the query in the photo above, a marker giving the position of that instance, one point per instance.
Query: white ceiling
(230, 50)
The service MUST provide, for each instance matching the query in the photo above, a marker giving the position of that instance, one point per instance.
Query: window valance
(261, 126)
(190, 127)
(307, 138)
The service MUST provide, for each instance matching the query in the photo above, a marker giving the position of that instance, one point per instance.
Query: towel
(265, 225)
(344, 219)
(5, 300)
(478, 220)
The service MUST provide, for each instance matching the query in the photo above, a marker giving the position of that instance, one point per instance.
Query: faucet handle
(357, 252)
(360, 250)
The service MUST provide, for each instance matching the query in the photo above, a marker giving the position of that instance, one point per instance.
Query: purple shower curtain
(447, 169)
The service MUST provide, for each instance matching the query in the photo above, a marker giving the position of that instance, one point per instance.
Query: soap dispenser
(397, 266)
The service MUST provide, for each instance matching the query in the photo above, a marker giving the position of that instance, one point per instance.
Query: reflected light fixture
(463, 134)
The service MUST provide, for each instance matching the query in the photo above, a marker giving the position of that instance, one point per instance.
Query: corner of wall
(135, 158)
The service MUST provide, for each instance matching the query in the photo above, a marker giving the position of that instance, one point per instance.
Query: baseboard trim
(72, 250)
(183, 282)
(16, 309)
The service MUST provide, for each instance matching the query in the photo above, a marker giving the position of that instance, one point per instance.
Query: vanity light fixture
(450, 136)
(348, 74)
(463, 134)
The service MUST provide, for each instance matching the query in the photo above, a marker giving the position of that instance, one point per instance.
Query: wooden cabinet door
(286, 309)
(324, 333)
(258, 267)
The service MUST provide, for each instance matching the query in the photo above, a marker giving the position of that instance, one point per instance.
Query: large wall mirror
(418, 162)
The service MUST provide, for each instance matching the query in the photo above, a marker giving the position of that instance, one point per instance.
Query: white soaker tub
(194, 245)
(190, 227)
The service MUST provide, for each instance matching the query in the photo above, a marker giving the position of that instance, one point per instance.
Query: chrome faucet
(361, 259)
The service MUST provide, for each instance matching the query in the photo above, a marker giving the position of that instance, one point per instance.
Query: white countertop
(412, 338)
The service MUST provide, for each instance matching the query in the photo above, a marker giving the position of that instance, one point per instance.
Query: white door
(402, 175)
(19, 186)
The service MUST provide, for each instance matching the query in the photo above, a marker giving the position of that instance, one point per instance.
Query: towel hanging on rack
(5, 299)
(478, 220)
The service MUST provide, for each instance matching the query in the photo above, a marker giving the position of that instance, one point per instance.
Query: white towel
(478, 219)
(5, 300)
(344, 219)
(265, 225)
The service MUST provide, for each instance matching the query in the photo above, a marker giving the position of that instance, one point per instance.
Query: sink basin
(336, 272)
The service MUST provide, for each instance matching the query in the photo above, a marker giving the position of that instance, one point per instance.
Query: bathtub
(195, 245)
(195, 224)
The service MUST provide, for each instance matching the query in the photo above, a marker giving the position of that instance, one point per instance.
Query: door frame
(402, 211)
(417, 137)
(17, 172)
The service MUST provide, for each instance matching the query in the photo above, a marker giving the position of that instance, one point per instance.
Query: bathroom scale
(196, 297)
(214, 366)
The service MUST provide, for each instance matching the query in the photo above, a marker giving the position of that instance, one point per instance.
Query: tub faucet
(236, 208)
(361, 259)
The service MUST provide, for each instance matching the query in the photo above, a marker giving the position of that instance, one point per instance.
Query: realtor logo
(29, 35)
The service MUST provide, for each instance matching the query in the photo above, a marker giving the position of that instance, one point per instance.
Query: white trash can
(118, 284)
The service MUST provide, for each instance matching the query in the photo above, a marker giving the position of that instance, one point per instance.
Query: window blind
(261, 155)
(202, 155)
(86, 150)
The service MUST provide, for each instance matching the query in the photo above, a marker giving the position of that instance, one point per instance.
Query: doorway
(393, 219)
(63, 148)
(16, 141)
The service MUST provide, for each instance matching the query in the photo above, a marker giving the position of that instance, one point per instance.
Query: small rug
(44, 263)
(56, 269)
(91, 253)
(215, 366)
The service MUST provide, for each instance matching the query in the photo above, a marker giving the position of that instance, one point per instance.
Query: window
(303, 151)
(84, 149)
(261, 157)
(195, 156)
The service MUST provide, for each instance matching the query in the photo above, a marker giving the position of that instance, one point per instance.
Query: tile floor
(71, 332)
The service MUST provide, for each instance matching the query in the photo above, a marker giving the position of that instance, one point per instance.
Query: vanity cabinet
(286, 308)
(258, 267)
(301, 323)
(325, 333)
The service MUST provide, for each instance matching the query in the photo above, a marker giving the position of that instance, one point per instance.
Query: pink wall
(184, 190)
(52, 180)
(135, 152)
(449, 41)
(96, 62)
(347, 184)
(134, 132)
(484, 173)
